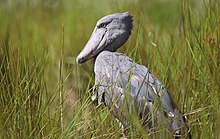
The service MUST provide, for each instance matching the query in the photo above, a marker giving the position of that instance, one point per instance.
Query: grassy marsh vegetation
(44, 94)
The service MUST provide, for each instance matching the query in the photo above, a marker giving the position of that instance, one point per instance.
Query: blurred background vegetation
(44, 94)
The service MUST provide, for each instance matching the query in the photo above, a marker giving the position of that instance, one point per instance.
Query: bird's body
(124, 85)
(118, 78)
(113, 69)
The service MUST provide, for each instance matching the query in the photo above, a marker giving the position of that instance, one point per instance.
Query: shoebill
(126, 87)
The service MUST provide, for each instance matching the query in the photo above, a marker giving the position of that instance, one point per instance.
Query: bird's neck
(94, 60)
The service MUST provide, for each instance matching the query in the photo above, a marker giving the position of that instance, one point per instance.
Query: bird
(123, 85)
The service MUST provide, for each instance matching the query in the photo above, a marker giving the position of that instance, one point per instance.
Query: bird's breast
(108, 66)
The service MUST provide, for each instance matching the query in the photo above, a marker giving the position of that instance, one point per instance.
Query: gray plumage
(121, 83)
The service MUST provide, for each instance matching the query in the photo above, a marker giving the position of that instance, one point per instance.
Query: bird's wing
(118, 70)
(142, 83)
(144, 87)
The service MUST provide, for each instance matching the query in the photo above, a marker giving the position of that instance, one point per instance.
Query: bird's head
(110, 33)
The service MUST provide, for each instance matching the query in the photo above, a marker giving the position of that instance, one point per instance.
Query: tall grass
(44, 94)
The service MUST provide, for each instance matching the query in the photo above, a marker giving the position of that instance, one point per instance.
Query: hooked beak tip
(78, 61)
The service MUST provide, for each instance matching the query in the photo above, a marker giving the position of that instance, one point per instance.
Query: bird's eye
(102, 25)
